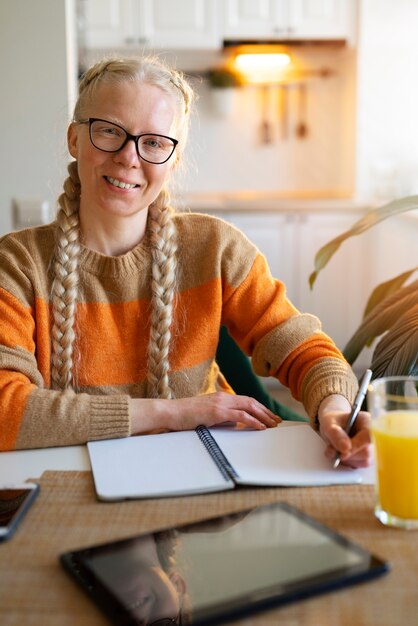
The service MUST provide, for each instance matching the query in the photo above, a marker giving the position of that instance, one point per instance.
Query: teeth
(119, 183)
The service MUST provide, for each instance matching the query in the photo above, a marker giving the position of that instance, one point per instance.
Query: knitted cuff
(109, 417)
(329, 376)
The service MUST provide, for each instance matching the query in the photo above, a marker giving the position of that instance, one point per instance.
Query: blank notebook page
(153, 465)
(285, 455)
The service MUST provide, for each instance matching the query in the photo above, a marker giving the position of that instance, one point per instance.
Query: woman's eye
(152, 143)
(110, 131)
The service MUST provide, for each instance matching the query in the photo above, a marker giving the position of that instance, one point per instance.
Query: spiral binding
(216, 453)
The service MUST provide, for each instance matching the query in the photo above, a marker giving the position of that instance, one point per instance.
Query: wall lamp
(262, 67)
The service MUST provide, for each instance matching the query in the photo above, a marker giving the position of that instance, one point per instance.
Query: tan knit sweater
(222, 279)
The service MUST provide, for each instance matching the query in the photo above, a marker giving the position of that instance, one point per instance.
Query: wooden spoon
(284, 109)
(265, 128)
(302, 128)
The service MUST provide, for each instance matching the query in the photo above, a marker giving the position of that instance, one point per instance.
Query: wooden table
(34, 589)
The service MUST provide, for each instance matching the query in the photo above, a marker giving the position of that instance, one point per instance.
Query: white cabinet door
(181, 23)
(254, 19)
(151, 24)
(288, 19)
(320, 19)
(107, 23)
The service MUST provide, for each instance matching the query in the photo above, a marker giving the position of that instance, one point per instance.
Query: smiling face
(121, 183)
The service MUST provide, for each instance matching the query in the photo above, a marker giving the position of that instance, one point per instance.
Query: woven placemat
(34, 590)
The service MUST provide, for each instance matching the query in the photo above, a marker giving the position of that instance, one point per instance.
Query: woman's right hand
(210, 409)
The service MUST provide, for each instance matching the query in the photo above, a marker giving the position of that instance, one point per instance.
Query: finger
(242, 417)
(360, 447)
(363, 422)
(333, 430)
(257, 410)
(361, 458)
(338, 439)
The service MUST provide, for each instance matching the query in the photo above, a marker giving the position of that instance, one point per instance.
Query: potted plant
(392, 308)
(222, 81)
(224, 77)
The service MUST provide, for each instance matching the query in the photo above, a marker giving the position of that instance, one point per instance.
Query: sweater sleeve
(33, 416)
(283, 342)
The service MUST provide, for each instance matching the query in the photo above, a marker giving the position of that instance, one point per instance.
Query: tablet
(219, 569)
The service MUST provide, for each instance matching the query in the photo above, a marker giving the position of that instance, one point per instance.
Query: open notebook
(212, 459)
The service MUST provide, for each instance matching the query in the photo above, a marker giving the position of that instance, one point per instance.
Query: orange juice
(395, 436)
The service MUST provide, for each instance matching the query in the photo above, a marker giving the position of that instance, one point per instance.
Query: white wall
(387, 96)
(227, 155)
(38, 71)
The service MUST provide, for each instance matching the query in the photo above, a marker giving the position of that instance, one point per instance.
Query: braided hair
(152, 71)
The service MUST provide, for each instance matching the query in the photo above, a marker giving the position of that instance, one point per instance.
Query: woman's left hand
(356, 450)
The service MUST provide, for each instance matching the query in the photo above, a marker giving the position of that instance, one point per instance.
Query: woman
(110, 316)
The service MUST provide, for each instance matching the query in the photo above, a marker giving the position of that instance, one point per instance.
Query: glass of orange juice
(393, 405)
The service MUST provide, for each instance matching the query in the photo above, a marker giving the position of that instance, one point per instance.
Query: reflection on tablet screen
(220, 568)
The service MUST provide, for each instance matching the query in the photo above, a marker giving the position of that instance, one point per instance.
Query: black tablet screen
(220, 568)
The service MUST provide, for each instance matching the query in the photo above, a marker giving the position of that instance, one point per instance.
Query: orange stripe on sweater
(113, 338)
(14, 392)
(17, 323)
(111, 342)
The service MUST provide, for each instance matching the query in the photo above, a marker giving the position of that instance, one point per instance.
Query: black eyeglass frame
(129, 137)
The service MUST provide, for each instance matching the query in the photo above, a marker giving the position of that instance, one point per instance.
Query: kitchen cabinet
(204, 24)
(105, 23)
(149, 24)
(288, 19)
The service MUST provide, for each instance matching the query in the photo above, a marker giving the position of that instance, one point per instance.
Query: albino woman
(110, 316)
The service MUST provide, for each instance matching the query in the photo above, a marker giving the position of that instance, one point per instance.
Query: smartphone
(14, 502)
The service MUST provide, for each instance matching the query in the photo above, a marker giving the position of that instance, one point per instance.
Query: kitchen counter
(267, 201)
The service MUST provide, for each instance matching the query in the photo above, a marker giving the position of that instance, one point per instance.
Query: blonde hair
(152, 71)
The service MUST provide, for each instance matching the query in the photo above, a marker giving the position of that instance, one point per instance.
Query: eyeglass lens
(111, 138)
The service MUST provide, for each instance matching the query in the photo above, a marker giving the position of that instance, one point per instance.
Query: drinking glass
(393, 404)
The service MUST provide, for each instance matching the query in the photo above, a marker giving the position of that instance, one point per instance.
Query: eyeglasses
(110, 137)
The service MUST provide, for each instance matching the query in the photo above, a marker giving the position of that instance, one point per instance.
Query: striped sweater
(222, 279)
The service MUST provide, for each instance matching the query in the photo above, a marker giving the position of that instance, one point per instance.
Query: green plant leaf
(382, 318)
(396, 354)
(385, 289)
(224, 77)
(371, 218)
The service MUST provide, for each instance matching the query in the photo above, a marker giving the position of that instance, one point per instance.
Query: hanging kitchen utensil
(302, 127)
(283, 107)
(266, 134)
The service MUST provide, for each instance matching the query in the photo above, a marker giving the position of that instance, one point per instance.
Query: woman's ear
(72, 139)
(179, 583)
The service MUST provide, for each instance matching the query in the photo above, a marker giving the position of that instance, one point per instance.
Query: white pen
(364, 383)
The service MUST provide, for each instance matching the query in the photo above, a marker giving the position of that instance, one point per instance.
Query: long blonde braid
(64, 287)
(163, 283)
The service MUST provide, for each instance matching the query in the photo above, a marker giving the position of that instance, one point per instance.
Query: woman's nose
(128, 155)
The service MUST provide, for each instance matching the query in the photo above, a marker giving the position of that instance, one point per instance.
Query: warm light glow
(262, 68)
(251, 62)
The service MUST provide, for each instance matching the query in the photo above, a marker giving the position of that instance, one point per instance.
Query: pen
(364, 383)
